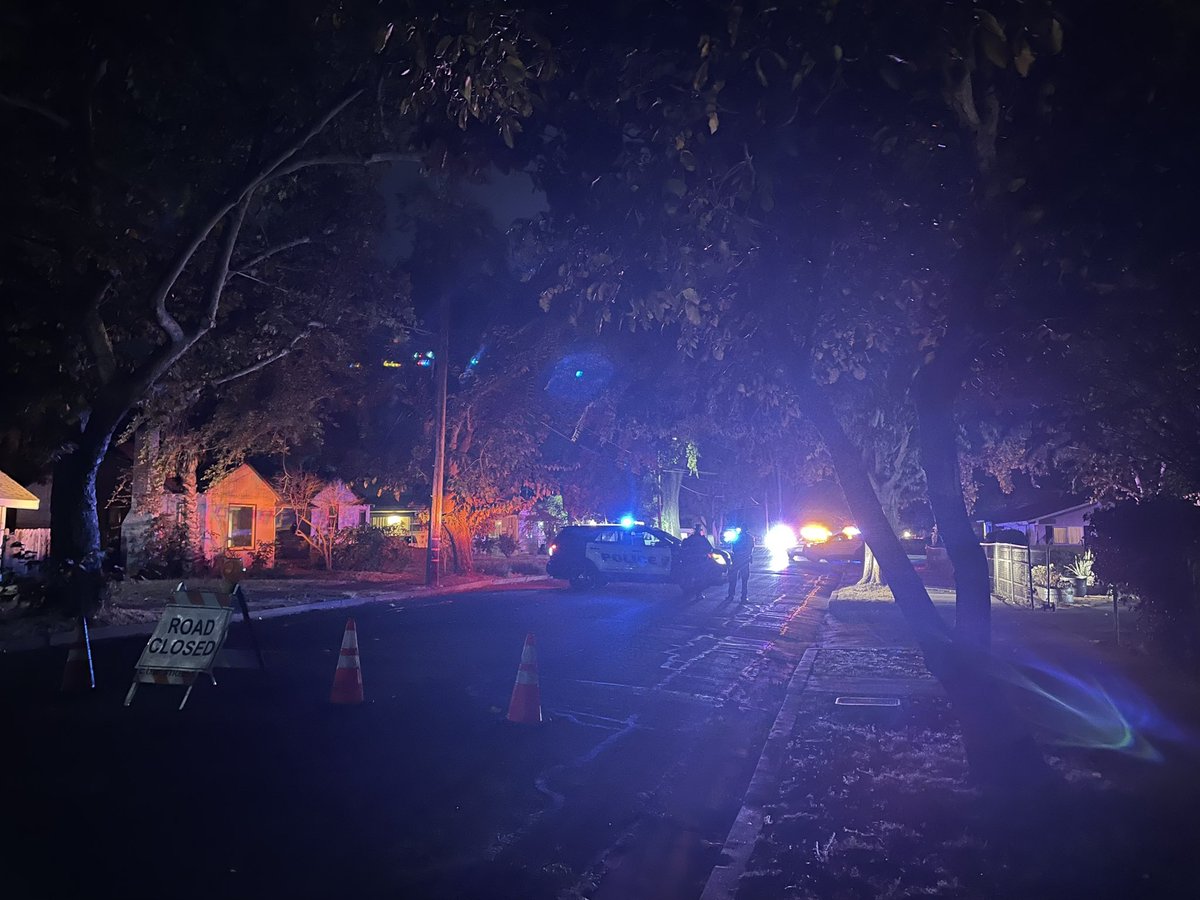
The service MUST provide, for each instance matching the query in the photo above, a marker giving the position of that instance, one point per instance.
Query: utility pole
(441, 369)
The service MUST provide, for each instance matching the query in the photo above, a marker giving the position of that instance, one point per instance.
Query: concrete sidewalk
(62, 633)
(1073, 682)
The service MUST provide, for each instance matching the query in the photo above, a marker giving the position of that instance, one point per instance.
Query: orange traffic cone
(78, 674)
(347, 678)
(525, 707)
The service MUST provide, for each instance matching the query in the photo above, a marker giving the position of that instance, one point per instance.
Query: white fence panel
(35, 541)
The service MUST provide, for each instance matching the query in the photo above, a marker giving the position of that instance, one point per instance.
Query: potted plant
(1081, 573)
(1052, 586)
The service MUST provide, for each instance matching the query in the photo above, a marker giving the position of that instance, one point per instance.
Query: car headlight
(718, 558)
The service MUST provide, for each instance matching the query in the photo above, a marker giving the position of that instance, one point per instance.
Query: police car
(592, 555)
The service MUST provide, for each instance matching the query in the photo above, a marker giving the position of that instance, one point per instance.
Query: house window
(241, 528)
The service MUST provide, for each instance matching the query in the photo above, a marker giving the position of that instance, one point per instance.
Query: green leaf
(1024, 59)
(995, 49)
(688, 160)
(1056, 36)
(837, 52)
(675, 186)
(714, 123)
(991, 24)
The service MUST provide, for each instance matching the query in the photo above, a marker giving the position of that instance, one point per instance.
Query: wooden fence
(1009, 567)
(1008, 572)
(35, 541)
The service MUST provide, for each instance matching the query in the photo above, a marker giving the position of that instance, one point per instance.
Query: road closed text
(186, 639)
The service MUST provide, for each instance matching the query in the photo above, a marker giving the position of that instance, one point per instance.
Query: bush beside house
(1150, 551)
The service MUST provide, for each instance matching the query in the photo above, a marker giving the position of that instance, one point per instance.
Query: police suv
(591, 555)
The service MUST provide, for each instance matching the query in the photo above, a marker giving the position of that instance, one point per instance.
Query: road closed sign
(186, 640)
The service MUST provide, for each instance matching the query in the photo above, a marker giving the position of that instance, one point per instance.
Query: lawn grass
(878, 804)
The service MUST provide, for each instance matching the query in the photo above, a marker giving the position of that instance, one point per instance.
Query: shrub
(506, 545)
(1008, 536)
(529, 567)
(1083, 567)
(1055, 577)
(367, 549)
(1152, 551)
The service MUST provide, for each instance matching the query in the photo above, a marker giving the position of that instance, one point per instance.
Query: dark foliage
(1152, 551)
(367, 549)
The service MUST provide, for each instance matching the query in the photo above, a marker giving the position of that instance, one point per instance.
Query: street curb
(744, 833)
(108, 632)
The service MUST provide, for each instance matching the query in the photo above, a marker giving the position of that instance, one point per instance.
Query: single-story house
(528, 529)
(1044, 523)
(14, 496)
(410, 522)
(337, 500)
(238, 515)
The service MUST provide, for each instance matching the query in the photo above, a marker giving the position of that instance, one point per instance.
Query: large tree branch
(253, 261)
(96, 334)
(263, 363)
(170, 276)
(340, 159)
(46, 113)
(220, 273)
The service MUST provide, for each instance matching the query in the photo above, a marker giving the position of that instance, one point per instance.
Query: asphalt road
(657, 713)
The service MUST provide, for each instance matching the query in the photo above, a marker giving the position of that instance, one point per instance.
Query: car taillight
(552, 548)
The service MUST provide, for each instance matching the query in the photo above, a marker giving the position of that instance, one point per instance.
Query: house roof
(1033, 513)
(248, 468)
(14, 496)
(329, 489)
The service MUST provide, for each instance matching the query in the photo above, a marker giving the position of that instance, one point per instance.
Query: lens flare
(779, 539)
(815, 532)
(1092, 707)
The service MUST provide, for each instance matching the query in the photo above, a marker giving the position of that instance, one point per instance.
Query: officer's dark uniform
(743, 550)
(696, 544)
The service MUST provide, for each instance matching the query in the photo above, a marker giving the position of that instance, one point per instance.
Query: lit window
(241, 528)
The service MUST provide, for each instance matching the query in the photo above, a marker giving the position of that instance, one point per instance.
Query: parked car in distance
(837, 548)
(591, 555)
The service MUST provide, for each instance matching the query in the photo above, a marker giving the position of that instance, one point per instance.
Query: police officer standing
(742, 550)
(696, 544)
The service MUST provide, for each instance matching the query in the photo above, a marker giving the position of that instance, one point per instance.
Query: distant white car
(839, 547)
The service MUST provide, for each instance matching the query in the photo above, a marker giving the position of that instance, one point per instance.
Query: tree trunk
(907, 587)
(76, 576)
(458, 535)
(871, 572)
(193, 537)
(140, 528)
(670, 479)
(1000, 750)
(456, 525)
(937, 387)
